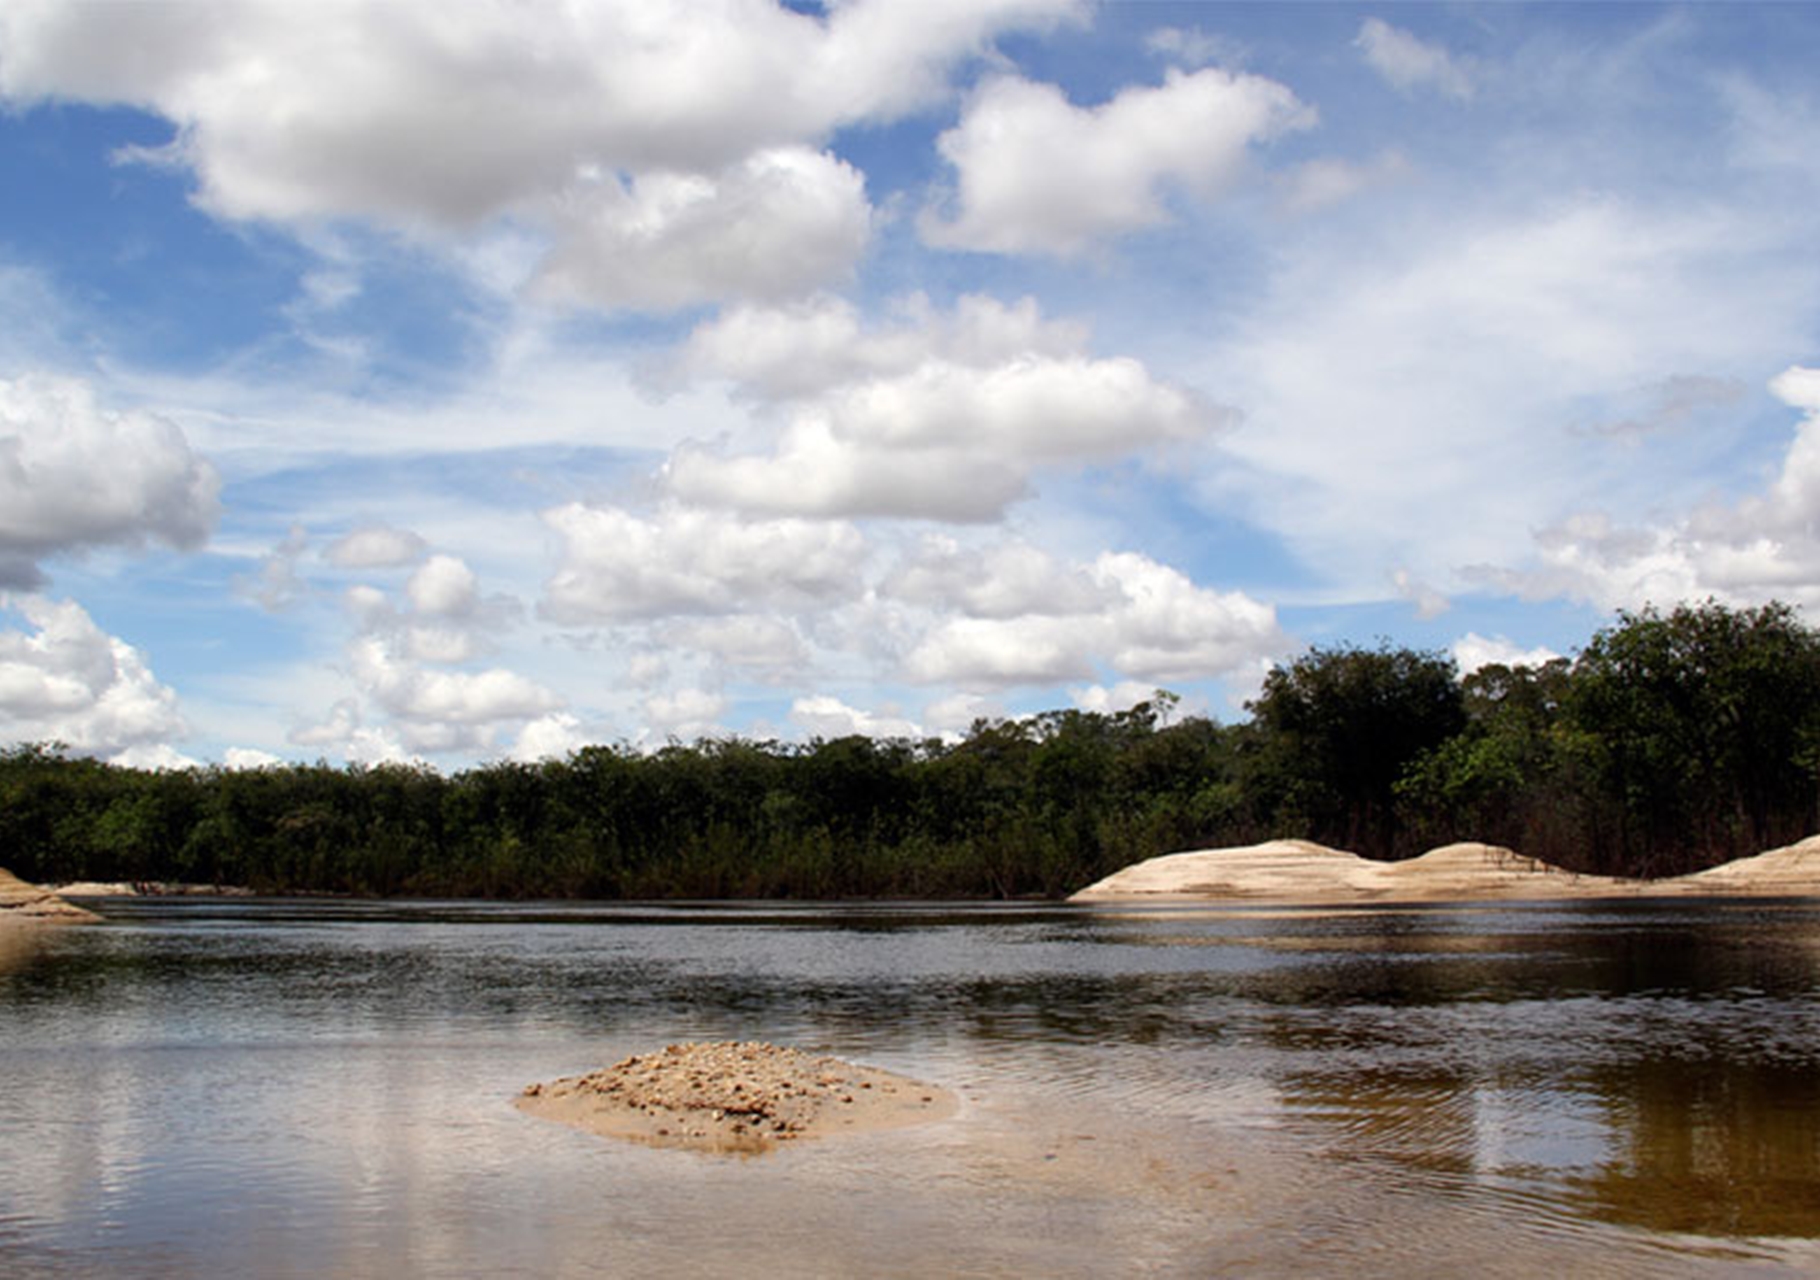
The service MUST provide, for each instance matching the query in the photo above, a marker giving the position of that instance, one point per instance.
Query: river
(323, 1088)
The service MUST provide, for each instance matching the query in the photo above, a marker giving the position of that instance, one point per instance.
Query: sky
(469, 382)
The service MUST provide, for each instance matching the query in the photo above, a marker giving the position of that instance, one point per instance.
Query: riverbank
(23, 902)
(734, 1097)
(149, 889)
(1300, 872)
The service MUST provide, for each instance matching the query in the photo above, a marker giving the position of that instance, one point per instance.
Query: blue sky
(455, 383)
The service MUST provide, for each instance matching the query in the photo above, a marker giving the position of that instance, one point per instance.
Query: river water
(254, 1088)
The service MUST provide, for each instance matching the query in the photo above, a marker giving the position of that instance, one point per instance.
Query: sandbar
(25, 902)
(735, 1096)
(1300, 872)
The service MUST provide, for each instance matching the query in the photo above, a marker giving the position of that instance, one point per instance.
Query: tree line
(1669, 743)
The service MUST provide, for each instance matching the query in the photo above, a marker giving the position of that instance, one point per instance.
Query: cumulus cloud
(824, 716)
(945, 417)
(1410, 63)
(375, 546)
(1122, 696)
(549, 737)
(778, 224)
(1036, 174)
(955, 714)
(767, 648)
(992, 653)
(444, 587)
(442, 618)
(439, 711)
(803, 349)
(687, 715)
(1158, 625)
(618, 566)
(75, 476)
(673, 130)
(1003, 580)
(67, 680)
(1473, 651)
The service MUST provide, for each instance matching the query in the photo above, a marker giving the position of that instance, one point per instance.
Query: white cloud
(1036, 174)
(1122, 696)
(75, 476)
(419, 116)
(375, 547)
(1193, 47)
(1004, 580)
(818, 344)
(765, 647)
(249, 758)
(815, 472)
(1331, 180)
(1158, 626)
(944, 418)
(276, 585)
(550, 737)
(1429, 602)
(993, 653)
(160, 757)
(955, 714)
(68, 681)
(1167, 628)
(780, 223)
(1409, 63)
(825, 716)
(440, 711)
(687, 715)
(1427, 386)
(1473, 651)
(1764, 546)
(444, 587)
(620, 567)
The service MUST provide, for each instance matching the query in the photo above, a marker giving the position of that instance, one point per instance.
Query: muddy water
(292, 1089)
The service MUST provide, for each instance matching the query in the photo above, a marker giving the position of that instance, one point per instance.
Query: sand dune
(22, 901)
(1297, 871)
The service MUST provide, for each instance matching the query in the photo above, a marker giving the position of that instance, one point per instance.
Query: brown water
(305, 1089)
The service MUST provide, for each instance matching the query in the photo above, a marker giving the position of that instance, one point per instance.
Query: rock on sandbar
(1301, 872)
(734, 1097)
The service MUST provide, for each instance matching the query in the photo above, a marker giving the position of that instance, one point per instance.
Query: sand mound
(734, 1097)
(1295, 871)
(22, 901)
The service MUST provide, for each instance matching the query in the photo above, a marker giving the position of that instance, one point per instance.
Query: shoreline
(1302, 873)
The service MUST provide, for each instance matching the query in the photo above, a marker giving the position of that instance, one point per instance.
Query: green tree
(1703, 727)
(1337, 728)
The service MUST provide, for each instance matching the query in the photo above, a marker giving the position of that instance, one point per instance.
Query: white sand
(1299, 872)
(26, 902)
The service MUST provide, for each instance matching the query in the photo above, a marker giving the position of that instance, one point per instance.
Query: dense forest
(1671, 742)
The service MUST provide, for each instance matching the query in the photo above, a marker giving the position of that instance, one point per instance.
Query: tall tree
(1338, 727)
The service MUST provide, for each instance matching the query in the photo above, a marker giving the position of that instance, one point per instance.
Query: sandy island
(735, 1097)
(1298, 872)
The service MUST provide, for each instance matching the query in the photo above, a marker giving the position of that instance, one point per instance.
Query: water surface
(323, 1088)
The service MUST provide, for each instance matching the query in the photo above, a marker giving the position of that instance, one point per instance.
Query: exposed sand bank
(1303, 873)
(21, 901)
(149, 889)
(734, 1097)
